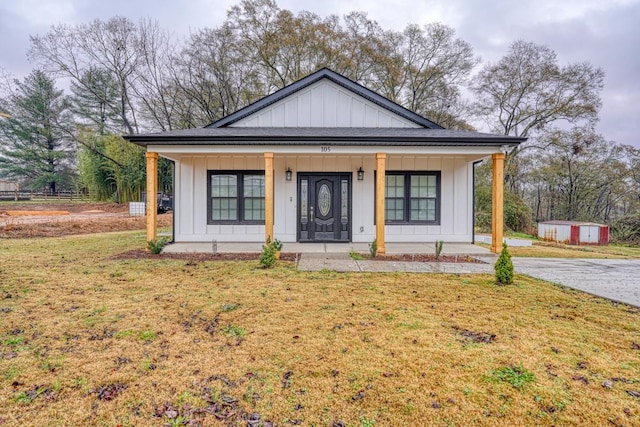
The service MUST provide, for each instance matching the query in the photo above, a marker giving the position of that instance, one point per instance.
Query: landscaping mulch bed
(192, 256)
(284, 256)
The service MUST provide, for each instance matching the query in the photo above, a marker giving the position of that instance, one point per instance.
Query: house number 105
(325, 149)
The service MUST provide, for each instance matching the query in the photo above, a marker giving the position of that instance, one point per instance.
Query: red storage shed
(574, 232)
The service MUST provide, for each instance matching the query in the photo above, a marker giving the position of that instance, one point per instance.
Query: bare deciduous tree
(527, 90)
(435, 64)
(118, 47)
(578, 177)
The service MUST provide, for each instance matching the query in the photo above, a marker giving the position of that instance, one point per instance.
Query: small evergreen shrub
(439, 245)
(373, 248)
(155, 246)
(504, 267)
(277, 244)
(268, 254)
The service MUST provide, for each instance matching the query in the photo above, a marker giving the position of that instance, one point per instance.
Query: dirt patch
(32, 213)
(19, 220)
(475, 336)
(78, 207)
(67, 226)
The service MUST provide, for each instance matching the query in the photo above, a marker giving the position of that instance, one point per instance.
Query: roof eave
(144, 140)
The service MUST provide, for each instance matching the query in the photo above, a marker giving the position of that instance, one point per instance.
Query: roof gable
(324, 99)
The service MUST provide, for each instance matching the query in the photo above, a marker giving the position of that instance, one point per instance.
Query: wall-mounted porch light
(360, 174)
(288, 174)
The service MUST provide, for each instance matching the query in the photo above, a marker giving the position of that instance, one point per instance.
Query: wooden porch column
(497, 202)
(268, 196)
(381, 166)
(152, 195)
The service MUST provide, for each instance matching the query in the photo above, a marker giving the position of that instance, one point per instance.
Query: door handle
(311, 212)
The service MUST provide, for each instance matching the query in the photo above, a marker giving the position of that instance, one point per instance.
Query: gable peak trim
(339, 79)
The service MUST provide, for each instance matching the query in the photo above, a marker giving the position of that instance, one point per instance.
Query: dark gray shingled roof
(325, 73)
(220, 132)
(324, 136)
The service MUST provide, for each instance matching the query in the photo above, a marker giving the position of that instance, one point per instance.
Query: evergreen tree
(33, 148)
(93, 97)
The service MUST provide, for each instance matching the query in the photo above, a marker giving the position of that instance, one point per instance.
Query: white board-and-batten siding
(191, 198)
(324, 104)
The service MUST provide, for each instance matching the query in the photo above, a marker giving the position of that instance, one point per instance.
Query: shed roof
(563, 222)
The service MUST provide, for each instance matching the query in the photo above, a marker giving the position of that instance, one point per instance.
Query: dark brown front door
(324, 207)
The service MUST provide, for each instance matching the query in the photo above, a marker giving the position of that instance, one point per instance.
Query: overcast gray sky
(605, 33)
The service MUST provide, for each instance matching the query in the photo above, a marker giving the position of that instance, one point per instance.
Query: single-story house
(324, 160)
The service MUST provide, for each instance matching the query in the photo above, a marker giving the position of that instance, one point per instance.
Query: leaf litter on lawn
(396, 345)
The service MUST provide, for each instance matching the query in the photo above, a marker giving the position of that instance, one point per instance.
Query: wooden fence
(66, 196)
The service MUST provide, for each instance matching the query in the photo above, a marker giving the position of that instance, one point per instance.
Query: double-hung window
(412, 197)
(236, 197)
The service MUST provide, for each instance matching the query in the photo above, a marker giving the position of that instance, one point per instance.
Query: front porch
(356, 205)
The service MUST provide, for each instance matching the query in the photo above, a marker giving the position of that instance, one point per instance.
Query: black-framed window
(412, 198)
(235, 197)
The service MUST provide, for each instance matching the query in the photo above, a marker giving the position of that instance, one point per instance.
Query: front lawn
(559, 250)
(89, 340)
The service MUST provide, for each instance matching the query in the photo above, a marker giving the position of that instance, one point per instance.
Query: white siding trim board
(324, 104)
(470, 153)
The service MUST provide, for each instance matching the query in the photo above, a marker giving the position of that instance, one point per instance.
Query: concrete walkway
(615, 279)
(342, 262)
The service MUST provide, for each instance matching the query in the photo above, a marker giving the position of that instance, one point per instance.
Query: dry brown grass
(559, 250)
(192, 339)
